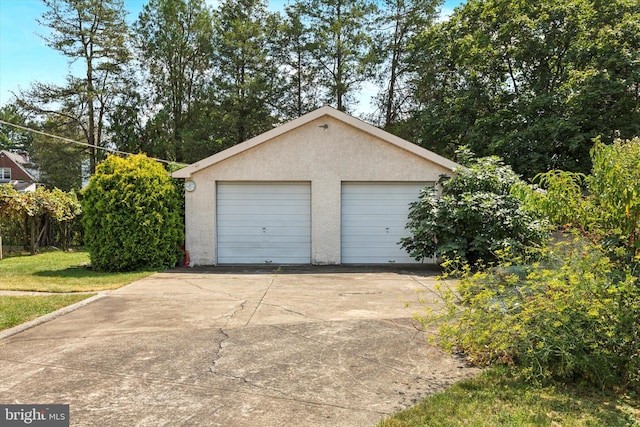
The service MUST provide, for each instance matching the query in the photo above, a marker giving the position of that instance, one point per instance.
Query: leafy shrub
(574, 314)
(132, 215)
(603, 206)
(614, 185)
(38, 218)
(476, 216)
(571, 316)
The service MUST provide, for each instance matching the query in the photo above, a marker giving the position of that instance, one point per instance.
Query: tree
(475, 217)
(92, 33)
(247, 80)
(132, 215)
(294, 53)
(12, 138)
(615, 188)
(532, 82)
(399, 21)
(174, 42)
(59, 163)
(341, 46)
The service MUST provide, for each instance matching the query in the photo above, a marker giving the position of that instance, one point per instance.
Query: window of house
(5, 174)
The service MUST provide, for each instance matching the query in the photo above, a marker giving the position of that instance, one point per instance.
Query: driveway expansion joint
(255, 310)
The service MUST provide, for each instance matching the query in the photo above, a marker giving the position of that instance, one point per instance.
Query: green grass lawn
(15, 310)
(53, 271)
(494, 399)
(58, 271)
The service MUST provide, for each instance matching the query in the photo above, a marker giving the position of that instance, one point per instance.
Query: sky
(25, 58)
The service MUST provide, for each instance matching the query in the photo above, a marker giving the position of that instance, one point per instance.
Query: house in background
(14, 170)
(325, 188)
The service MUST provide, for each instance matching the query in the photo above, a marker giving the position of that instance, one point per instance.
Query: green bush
(132, 216)
(476, 215)
(574, 315)
(38, 218)
(603, 206)
(614, 185)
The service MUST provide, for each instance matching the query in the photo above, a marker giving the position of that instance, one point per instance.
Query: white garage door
(261, 223)
(374, 216)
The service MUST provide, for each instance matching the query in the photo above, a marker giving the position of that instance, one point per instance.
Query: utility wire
(83, 143)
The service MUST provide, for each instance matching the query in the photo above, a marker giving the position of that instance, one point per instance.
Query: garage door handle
(387, 228)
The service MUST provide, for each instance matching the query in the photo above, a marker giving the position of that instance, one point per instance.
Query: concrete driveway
(318, 346)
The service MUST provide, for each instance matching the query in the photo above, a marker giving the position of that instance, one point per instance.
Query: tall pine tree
(341, 35)
(92, 34)
(247, 78)
(173, 39)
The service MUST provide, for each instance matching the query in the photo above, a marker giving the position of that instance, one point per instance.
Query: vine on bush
(30, 216)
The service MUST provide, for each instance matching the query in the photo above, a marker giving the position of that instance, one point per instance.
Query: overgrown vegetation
(475, 215)
(571, 316)
(132, 216)
(569, 311)
(38, 219)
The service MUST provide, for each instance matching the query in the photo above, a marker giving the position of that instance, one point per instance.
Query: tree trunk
(33, 242)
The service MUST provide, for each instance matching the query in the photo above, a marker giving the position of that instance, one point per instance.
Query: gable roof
(19, 162)
(187, 171)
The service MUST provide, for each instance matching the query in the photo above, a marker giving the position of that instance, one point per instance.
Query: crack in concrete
(218, 355)
(230, 316)
(375, 360)
(344, 294)
(288, 310)
(282, 395)
(198, 387)
(212, 291)
(272, 392)
(412, 327)
(271, 282)
(250, 383)
(427, 287)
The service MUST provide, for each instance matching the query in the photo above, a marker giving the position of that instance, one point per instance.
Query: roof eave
(188, 171)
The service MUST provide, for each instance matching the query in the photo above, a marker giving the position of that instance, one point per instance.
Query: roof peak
(305, 119)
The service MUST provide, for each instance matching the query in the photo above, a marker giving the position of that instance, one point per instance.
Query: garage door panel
(374, 216)
(268, 206)
(264, 223)
(255, 224)
(390, 234)
(232, 233)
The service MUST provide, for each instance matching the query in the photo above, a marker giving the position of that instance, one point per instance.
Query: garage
(373, 221)
(264, 223)
(323, 189)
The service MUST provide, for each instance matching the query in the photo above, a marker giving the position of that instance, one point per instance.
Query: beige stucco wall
(310, 153)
